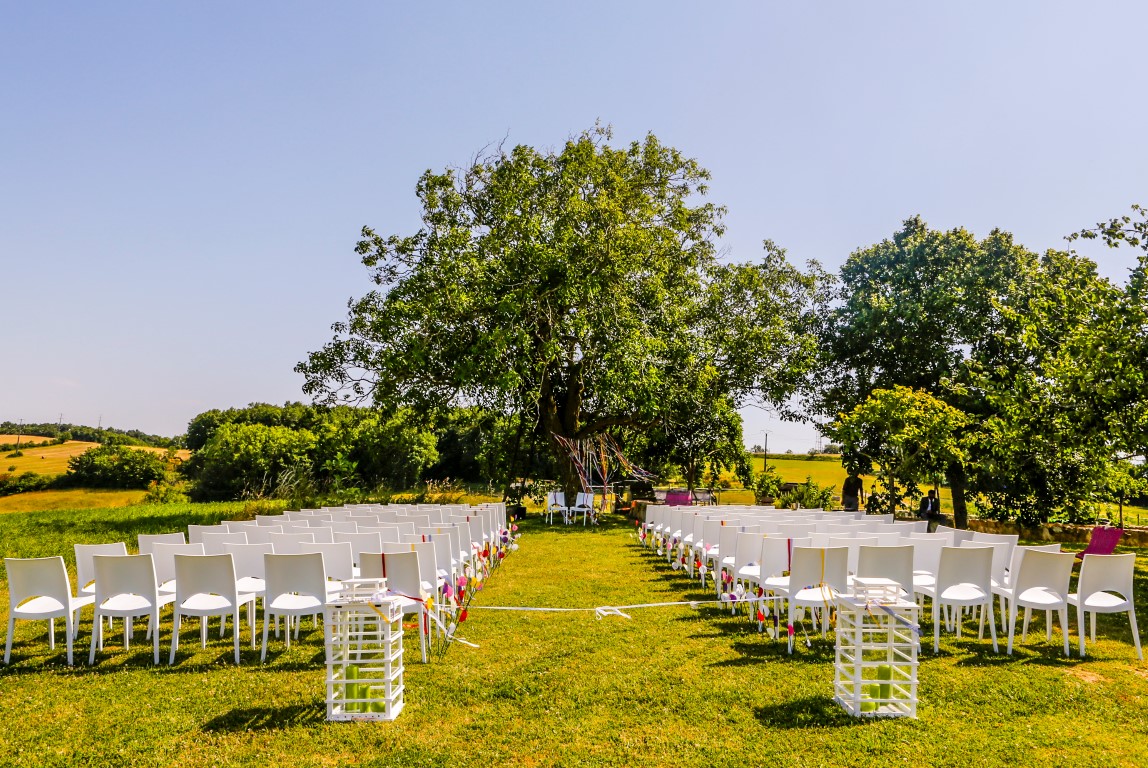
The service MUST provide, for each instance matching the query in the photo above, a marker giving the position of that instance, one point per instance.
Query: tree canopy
(579, 288)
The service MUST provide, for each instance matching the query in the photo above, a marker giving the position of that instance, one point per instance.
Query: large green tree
(578, 288)
(910, 311)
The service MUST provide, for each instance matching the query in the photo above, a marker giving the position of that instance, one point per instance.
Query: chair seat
(958, 594)
(46, 606)
(1041, 597)
(1101, 602)
(131, 605)
(203, 602)
(815, 596)
(776, 583)
(292, 602)
(751, 571)
(252, 584)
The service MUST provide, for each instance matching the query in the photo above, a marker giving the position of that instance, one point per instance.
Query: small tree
(907, 435)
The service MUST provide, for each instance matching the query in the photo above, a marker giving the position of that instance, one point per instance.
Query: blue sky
(182, 185)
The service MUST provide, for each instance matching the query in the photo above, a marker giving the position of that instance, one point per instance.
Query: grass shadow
(808, 712)
(267, 718)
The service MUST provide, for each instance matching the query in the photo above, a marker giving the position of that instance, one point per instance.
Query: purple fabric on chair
(1102, 541)
(679, 498)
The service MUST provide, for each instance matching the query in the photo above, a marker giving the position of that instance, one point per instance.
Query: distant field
(79, 498)
(29, 439)
(53, 459)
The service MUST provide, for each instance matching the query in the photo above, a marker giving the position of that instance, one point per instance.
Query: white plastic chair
(401, 570)
(338, 562)
(205, 586)
(213, 543)
(926, 560)
(361, 541)
(1106, 582)
(126, 587)
(1041, 583)
(248, 560)
(584, 504)
(289, 543)
(853, 544)
(556, 502)
(296, 587)
(817, 577)
(1018, 553)
(147, 541)
(261, 534)
(964, 580)
(894, 563)
(85, 569)
(39, 589)
(194, 532)
(163, 556)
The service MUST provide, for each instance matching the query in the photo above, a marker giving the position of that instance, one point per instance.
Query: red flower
(462, 616)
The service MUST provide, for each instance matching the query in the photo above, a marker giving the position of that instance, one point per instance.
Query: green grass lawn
(672, 686)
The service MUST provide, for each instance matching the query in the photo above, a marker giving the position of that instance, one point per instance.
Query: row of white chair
(130, 586)
(963, 577)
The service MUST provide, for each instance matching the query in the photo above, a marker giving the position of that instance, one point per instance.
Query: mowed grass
(672, 686)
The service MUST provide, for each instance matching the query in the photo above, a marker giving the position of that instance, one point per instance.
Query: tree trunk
(958, 483)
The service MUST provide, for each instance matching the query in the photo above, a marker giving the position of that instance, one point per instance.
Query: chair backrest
(288, 543)
(30, 577)
(1102, 541)
(248, 559)
(164, 557)
(1018, 553)
(747, 550)
(853, 544)
(959, 535)
(85, 570)
(338, 559)
(927, 553)
(301, 574)
(1048, 570)
(213, 542)
(1010, 539)
(775, 554)
(585, 500)
(194, 532)
(343, 526)
(966, 565)
(798, 529)
(261, 534)
(816, 566)
(360, 541)
(1001, 554)
(125, 575)
(235, 526)
(205, 574)
(1107, 573)
(147, 541)
(886, 562)
(400, 569)
(428, 576)
(886, 538)
(271, 519)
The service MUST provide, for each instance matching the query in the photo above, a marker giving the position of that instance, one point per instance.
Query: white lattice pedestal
(364, 637)
(875, 669)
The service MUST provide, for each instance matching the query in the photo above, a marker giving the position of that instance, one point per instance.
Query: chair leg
(1024, 631)
(1093, 626)
(1080, 626)
(936, 625)
(153, 625)
(97, 635)
(1135, 632)
(1011, 624)
(174, 637)
(992, 625)
(266, 626)
(1064, 627)
(51, 634)
(68, 631)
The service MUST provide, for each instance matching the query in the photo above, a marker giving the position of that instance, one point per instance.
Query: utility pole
(19, 434)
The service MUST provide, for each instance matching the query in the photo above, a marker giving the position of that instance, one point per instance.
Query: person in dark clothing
(930, 510)
(852, 493)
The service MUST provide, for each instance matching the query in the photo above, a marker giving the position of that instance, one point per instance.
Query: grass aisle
(673, 686)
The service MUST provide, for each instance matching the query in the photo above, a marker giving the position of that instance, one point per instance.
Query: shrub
(809, 495)
(115, 466)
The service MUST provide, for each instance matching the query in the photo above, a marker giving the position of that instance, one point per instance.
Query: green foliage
(63, 432)
(767, 484)
(26, 481)
(246, 460)
(807, 495)
(908, 435)
(578, 289)
(115, 465)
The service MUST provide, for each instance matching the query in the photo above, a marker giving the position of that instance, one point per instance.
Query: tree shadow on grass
(807, 712)
(267, 718)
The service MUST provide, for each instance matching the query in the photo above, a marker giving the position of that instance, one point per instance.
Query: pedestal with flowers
(875, 669)
(364, 641)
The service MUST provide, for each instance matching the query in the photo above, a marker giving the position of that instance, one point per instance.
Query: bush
(115, 466)
(26, 481)
(247, 461)
(767, 485)
(807, 495)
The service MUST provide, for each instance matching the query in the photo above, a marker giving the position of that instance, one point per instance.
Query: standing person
(930, 510)
(852, 493)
